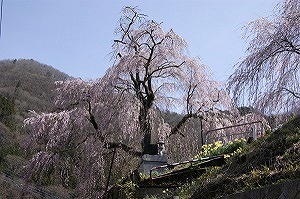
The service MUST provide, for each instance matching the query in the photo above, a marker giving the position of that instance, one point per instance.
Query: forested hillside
(24, 85)
(29, 84)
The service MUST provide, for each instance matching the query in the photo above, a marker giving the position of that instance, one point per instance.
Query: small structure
(149, 161)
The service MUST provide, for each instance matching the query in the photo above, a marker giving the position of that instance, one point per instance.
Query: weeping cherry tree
(152, 72)
(269, 75)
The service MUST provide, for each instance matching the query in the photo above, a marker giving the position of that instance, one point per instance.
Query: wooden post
(201, 133)
(110, 168)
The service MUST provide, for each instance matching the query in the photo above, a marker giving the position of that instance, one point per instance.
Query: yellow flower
(226, 156)
(218, 144)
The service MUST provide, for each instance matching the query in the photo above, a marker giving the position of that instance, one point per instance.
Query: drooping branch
(106, 144)
(163, 68)
(295, 94)
(176, 128)
(291, 47)
(92, 117)
(182, 122)
(273, 61)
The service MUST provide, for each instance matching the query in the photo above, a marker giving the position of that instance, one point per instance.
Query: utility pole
(1, 17)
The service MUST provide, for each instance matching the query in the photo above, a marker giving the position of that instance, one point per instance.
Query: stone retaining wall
(286, 190)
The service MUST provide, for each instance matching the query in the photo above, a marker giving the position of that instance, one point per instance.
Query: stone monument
(154, 156)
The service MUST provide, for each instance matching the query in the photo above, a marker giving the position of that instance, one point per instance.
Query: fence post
(201, 133)
(254, 132)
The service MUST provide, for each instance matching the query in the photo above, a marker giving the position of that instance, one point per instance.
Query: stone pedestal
(147, 162)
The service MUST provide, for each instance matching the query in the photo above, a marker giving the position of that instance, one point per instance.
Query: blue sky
(75, 36)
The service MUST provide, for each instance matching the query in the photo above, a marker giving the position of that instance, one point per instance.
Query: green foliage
(9, 149)
(151, 197)
(7, 112)
(268, 131)
(257, 178)
(246, 110)
(144, 176)
(171, 118)
(14, 165)
(187, 189)
(218, 148)
(13, 149)
(45, 177)
(128, 189)
(29, 85)
(293, 138)
(263, 176)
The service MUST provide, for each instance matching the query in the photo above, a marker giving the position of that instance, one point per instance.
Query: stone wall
(286, 190)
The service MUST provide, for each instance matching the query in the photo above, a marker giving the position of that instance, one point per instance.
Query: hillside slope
(24, 85)
(29, 83)
(272, 159)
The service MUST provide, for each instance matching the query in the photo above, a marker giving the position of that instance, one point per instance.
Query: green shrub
(218, 148)
(128, 188)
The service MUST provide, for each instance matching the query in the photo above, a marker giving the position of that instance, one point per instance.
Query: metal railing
(231, 136)
(191, 162)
